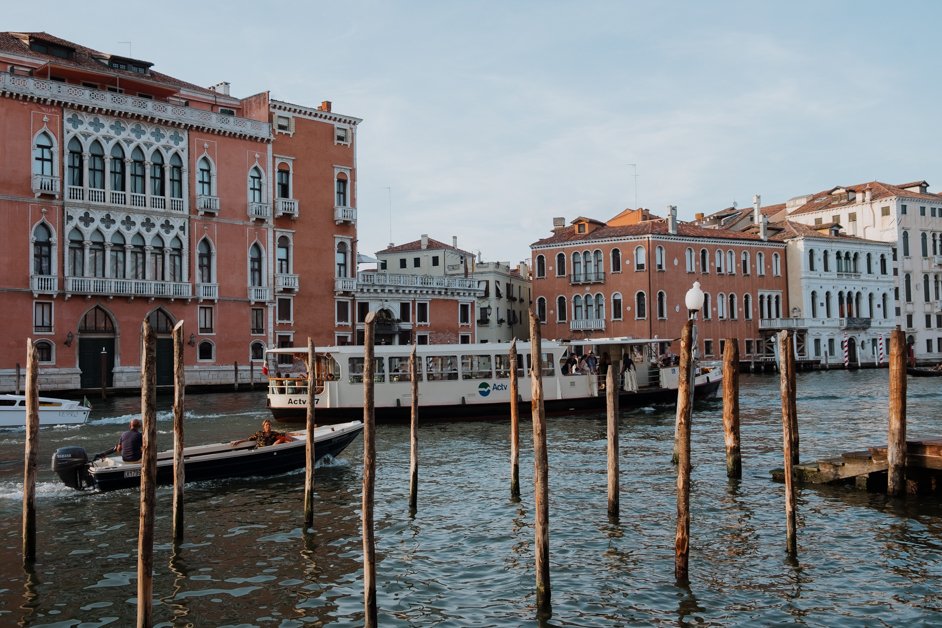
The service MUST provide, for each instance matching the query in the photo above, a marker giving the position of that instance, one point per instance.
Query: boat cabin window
(8, 402)
(502, 366)
(356, 370)
(441, 367)
(476, 367)
(326, 368)
(549, 365)
(399, 369)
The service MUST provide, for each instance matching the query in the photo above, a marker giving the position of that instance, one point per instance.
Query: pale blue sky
(487, 119)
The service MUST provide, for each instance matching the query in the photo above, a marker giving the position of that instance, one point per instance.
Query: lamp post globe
(694, 299)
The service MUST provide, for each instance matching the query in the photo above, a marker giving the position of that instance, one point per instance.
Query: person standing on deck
(630, 375)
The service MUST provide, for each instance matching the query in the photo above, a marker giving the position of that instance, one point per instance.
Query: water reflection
(30, 600)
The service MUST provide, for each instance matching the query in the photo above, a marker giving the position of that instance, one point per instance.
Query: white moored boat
(51, 411)
(468, 381)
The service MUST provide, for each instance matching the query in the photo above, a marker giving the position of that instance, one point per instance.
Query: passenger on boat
(570, 365)
(265, 436)
(629, 375)
(131, 443)
(592, 362)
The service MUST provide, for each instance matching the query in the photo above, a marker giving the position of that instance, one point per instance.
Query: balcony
(259, 211)
(587, 324)
(207, 291)
(937, 260)
(588, 277)
(855, 322)
(789, 323)
(345, 214)
(286, 283)
(345, 284)
(133, 200)
(56, 93)
(207, 204)
(127, 287)
(45, 184)
(286, 207)
(44, 284)
(259, 293)
(418, 281)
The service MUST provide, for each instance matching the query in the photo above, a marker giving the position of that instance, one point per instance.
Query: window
(42, 317)
(745, 262)
(659, 258)
(283, 182)
(616, 307)
(137, 171)
(342, 135)
(204, 178)
(690, 261)
(561, 309)
(343, 313)
(464, 313)
(283, 123)
(206, 322)
(285, 310)
(96, 166)
(363, 309)
(908, 288)
(256, 352)
(577, 311)
(117, 255)
(117, 169)
(661, 305)
(776, 265)
(577, 267)
(747, 309)
(157, 174)
(421, 313)
(885, 210)
(852, 217)
(283, 256)
(76, 159)
(96, 255)
(156, 259)
(922, 210)
(255, 185)
(721, 306)
(44, 352)
(560, 264)
(924, 238)
(42, 155)
(704, 261)
(902, 209)
(402, 263)
(205, 351)
(42, 250)
(708, 347)
(341, 188)
(138, 255)
(733, 311)
(706, 306)
(258, 320)
(76, 254)
(204, 262)
(540, 267)
(405, 312)
(416, 262)
(760, 264)
(640, 258)
(731, 262)
(641, 311)
(616, 261)
(176, 260)
(905, 244)
(811, 260)
(255, 266)
(434, 260)
(541, 309)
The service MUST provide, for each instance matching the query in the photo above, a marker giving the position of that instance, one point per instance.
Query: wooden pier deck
(867, 469)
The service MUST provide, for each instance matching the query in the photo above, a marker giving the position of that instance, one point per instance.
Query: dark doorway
(96, 338)
(162, 325)
(852, 352)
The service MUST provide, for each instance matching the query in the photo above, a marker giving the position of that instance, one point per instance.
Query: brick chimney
(325, 106)
(672, 219)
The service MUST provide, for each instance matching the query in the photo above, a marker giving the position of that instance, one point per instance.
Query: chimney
(868, 195)
(672, 219)
(454, 241)
(221, 88)
(559, 223)
(764, 228)
(325, 106)
(698, 216)
(424, 241)
(756, 210)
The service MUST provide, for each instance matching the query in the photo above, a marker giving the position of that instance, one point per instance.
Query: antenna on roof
(130, 54)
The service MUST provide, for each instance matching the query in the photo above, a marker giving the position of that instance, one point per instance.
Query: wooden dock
(867, 469)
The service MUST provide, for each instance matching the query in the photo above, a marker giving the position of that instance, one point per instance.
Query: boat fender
(463, 400)
(398, 403)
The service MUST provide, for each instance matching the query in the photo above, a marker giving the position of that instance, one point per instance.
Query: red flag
(264, 370)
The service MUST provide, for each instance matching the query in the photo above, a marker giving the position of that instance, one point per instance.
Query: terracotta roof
(88, 59)
(827, 199)
(416, 245)
(648, 227)
(788, 230)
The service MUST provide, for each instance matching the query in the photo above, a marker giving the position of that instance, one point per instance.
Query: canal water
(466, 557)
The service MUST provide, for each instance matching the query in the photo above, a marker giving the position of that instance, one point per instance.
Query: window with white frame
(776, 265)
(341, 135)
(283, 256)
(640, 258)
(204, 177)
(283, 181)
(616, 306)
(42, 317)
(616, 261)
(541, 309)
(689, 259)
(721, 306)
(43, 164)
(560, 264)
(561, 309)
(704, 261)
(760, 264)
(706, 311)
(45, 353)
(285, 309)
(659, 262)
(256, 351)
(540, 267)
(745, 263)
(464, 313)
(343, 313)
(42, 250)
(256, 270)
(661, 305)
(731, 262)
(641, 309)
(206, 319)
(747, 307)
(341, 190)
(255, 185)
(257, 321)
(206, 351)
(422, 313)
(719, 261)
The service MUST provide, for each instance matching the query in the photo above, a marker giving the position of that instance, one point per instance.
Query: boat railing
(292, 386)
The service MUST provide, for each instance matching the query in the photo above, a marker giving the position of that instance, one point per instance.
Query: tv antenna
(635, 166)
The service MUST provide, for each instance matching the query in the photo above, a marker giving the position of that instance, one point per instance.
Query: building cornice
(582, 244)
(313, 114)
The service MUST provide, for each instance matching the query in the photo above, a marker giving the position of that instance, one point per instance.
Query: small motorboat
(924, 371)
(52, 411)
(204, 462)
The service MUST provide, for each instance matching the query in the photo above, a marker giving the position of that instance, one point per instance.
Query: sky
(485, 120)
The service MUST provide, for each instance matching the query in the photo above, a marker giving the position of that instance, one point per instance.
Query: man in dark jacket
(131, 443)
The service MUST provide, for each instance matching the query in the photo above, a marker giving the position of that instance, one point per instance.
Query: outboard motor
(71, 465)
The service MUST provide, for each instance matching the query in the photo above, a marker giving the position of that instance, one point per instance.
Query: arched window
(731, 262)
(176, 260)
(745, 262)
(616, 260)
(588, 266)
(814, 304)
(96, 255)
(76, 254)
(157, 174)
(560, 264)
(577, 267)
(283, 181)
(760, 264)
(561, 308)
(96, 320)
(256, 276)
(811, 260)
(733, 310)
(747, 306)
(827, 305)
(204, 262)
(540, 267)
(341, 188)
(255, 185)
(96, 166)
(42, 250)
(44, 351)
(138, 172)
(616, 306)
(688, 258)
(42, 155)
(117, 169)
(659, 262)
(882, 264)
(160, 321)
(886, 307)
(641, 306)
(661, 305)
(257, 352)
(176, 176)
(719, 261)
(839, 262)
(600, 306)
(589, 307)
(118, 256)
(908, 284)
(706, 306)
(541, 309)
(871, 304)
(599, 265)
(776, 265)
(283, 257)
(205, 351)
(156, 269)
(204, 177)
(138, 256)
(704, 262)
(925, 244)
(905, 244)
(76, 167)
(721, 306)
(826, 261)
(640, 258)
(577, 312)
(343, 255)
(869, 263)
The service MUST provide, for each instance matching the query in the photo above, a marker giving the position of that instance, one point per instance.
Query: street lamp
(694, 300)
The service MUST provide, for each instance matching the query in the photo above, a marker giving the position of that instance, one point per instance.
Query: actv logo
(484, 389)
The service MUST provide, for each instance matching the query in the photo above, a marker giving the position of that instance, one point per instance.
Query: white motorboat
(52, 411)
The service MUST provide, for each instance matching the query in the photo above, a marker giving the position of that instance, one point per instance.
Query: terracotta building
(628, 277)
(129, 194)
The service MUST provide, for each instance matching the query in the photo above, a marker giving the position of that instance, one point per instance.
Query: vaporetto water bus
(459, 381)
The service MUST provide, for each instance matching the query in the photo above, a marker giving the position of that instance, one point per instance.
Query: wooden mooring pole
(18, 376)
(179, 390)
(145, 535)
(896, 436)
(414, 434)
(31, 454)
(793, 411)
(310, 426)
(611, 406)
(369, 475)
(787, 385)
(235, 376)
(103, 372)
(682, 442)
(731, 408)
(514, 425)
(544, 607)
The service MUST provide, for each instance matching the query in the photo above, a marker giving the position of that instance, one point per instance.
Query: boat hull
(490, 411)
(262, 461)
(51, 411)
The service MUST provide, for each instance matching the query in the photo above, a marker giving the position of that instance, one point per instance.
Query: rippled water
(466, 558)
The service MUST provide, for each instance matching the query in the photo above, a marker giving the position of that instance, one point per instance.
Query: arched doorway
(96, 339)
(387, 328)
(852, 352)
(162, 324)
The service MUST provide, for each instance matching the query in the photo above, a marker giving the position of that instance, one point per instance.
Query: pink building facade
(131, 195)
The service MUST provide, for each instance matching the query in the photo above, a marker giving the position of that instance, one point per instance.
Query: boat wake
(13, 491)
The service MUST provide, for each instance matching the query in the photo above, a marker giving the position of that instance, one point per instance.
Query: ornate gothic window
(117, 169)
(42, 250)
